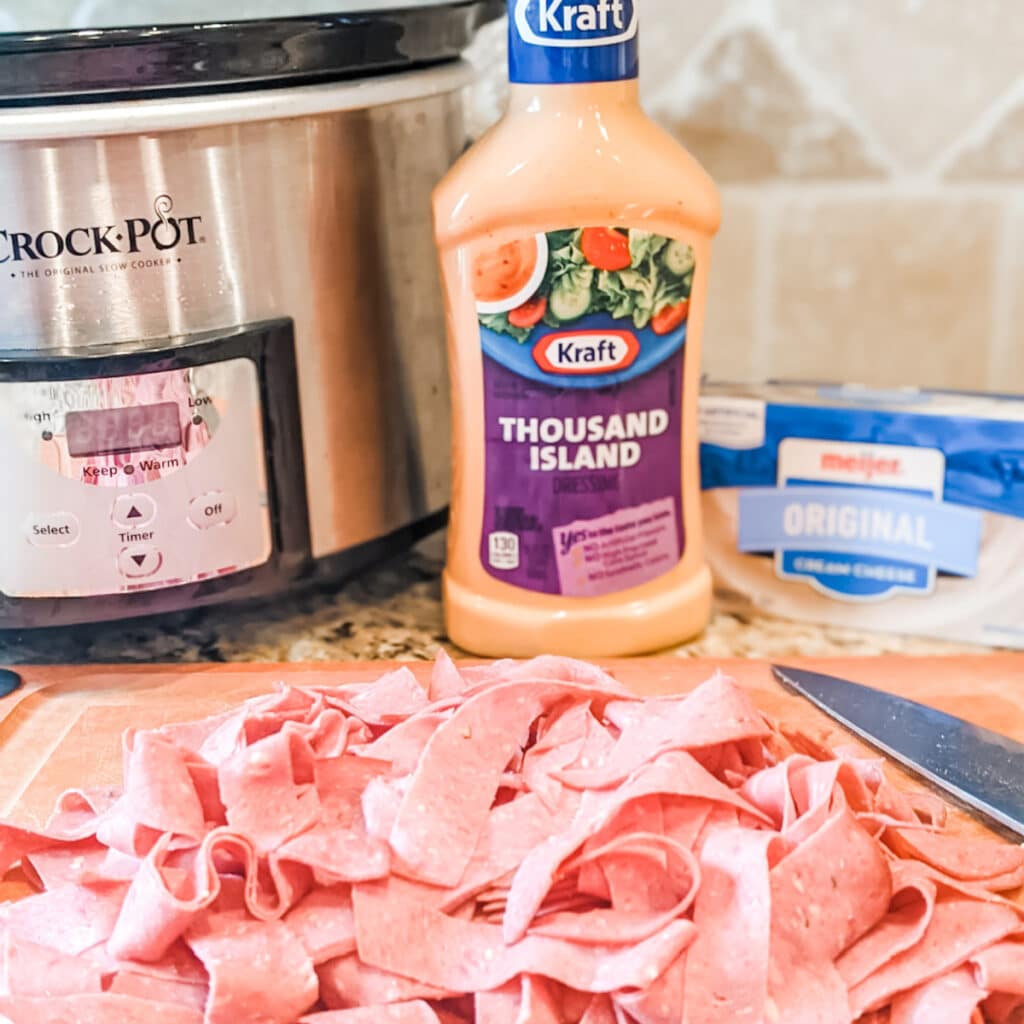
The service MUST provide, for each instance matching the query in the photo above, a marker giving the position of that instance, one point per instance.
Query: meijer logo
(865, 467)
(160, 233)
(584, 23)
(581, 352)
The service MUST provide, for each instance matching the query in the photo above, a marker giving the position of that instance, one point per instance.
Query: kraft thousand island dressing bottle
(575, 244)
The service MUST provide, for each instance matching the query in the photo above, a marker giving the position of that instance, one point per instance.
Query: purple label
(583, 486)
(583, 334)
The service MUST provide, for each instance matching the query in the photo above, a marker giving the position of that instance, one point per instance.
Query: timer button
(59, 530)
(133, 510)
(139, 560)
(215, 508)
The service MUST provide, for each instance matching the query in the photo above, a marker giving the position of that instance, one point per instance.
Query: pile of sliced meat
(523, 842)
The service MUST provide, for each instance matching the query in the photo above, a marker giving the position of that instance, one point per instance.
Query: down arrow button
(139, 561)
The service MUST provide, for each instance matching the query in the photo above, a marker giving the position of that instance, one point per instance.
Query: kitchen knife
(980, 768)
(9, 681)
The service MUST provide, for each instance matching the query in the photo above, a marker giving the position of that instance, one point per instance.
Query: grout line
(761, 13)
(759, 16)
(765, 15)
(866, 188)
(688, 80)
(1001, 344)
(765, 285)
(982, 127)
(822, 94)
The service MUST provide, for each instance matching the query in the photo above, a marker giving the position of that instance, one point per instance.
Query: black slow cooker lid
(73, 64)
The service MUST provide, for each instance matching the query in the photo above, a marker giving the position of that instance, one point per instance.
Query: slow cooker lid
(88, 56)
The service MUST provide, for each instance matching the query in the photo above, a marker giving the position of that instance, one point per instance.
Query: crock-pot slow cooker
(222, 344)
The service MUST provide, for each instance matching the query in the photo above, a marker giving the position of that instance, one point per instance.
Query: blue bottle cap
(556, 42)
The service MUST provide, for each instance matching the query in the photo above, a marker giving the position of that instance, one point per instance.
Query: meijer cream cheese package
(900, 511)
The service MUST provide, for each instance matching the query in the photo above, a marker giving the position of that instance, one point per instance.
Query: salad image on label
(557, 278)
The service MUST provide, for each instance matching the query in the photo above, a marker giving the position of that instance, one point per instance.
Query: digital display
(116, 431)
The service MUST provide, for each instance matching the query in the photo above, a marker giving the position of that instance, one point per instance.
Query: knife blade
(979, 768)
(9, 681)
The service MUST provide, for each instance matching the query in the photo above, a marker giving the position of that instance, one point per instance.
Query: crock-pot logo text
(159, 233)
(584, 23)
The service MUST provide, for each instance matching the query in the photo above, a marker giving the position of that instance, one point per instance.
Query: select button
(214, 508)
(59, 530)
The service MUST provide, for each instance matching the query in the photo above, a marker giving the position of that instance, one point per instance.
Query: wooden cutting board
(62, 729)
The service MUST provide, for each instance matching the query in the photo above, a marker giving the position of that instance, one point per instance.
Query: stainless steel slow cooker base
(133, 230)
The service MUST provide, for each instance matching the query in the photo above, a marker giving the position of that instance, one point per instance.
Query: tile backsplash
(870, 155)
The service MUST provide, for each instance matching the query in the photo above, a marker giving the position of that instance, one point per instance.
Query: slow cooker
(222, 344)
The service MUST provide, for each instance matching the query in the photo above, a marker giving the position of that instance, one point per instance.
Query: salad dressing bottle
(575, 244)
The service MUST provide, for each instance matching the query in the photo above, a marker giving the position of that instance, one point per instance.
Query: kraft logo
(863, 466)
(161, 232)
(584, 23)
(582, 352)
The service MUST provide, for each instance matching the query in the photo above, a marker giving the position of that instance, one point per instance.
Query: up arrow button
(133, 510)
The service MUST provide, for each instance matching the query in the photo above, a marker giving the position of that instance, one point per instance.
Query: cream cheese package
(900, 511)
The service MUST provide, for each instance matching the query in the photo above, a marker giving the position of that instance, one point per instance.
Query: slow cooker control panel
(145, 481)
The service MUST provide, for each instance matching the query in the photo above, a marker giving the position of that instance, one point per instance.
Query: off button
(215, 508)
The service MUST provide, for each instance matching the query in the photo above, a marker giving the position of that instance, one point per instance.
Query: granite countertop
(392, 612)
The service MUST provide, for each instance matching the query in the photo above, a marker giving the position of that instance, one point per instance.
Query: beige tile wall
(871, 159)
